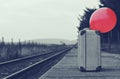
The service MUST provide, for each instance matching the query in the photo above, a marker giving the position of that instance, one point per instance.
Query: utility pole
(2, 40)
(109, 40)
(118, 39)
(11, 40)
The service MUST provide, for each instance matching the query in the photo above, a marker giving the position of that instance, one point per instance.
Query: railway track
(20, 68)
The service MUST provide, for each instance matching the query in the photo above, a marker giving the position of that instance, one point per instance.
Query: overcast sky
(36, 19)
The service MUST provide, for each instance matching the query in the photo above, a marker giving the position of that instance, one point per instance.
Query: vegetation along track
(15, 68)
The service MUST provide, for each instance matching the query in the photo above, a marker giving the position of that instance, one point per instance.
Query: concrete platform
(67, 68)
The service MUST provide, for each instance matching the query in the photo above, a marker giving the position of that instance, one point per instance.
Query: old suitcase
(89, 56)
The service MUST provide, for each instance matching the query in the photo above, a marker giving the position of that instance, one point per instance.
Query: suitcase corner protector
(97, 32)
(82, 69)
(82, 32)
(99, 68)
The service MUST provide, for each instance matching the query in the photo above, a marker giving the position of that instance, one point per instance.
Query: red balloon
(103, 20)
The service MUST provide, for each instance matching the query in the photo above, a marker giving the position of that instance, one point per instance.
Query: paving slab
(67, 68)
